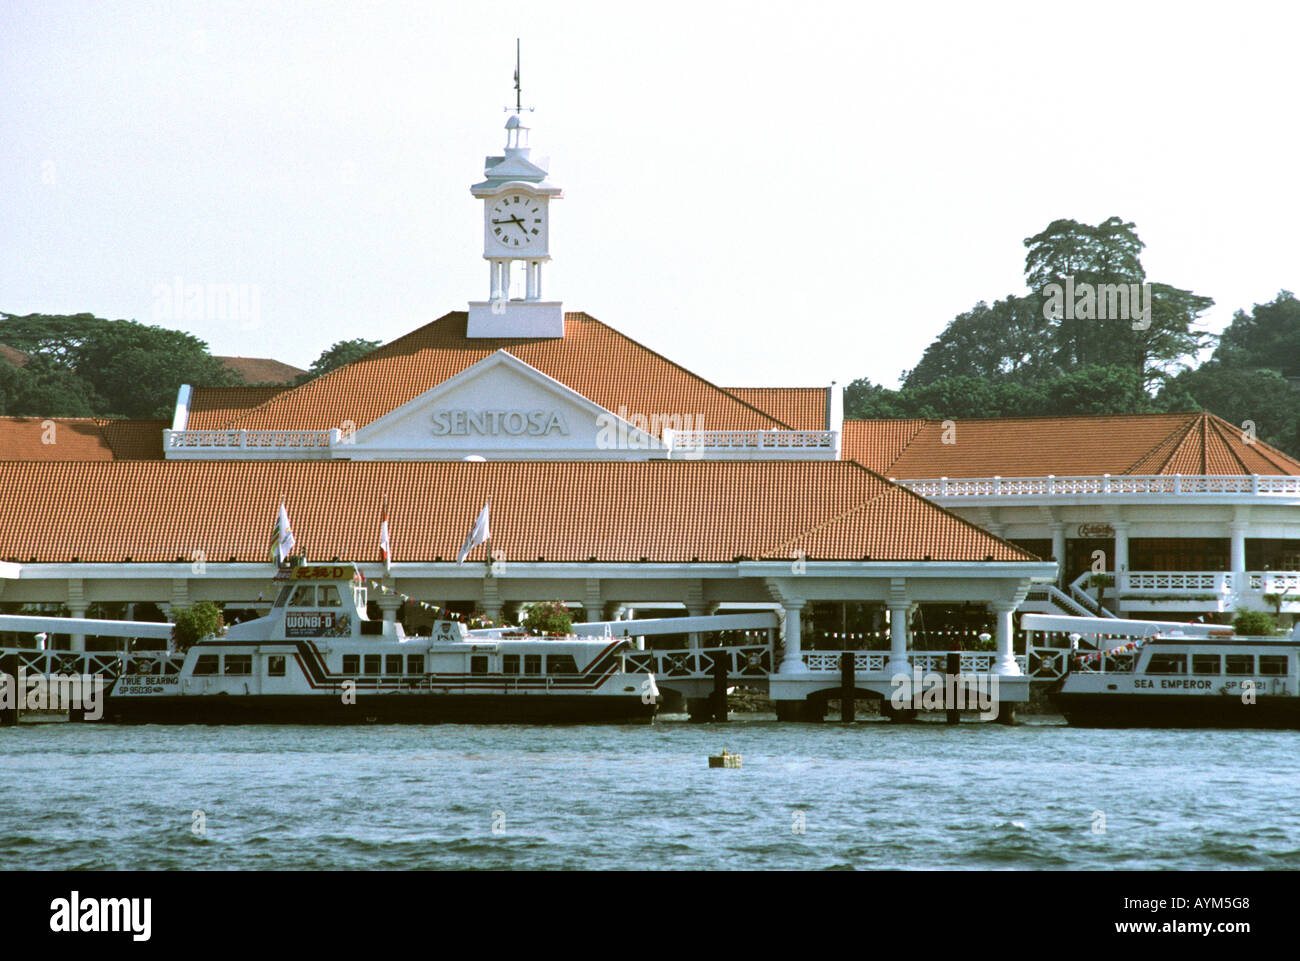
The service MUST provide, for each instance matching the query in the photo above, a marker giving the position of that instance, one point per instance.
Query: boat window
(275, 665)
(1272, 664)
(393, 664)
(1205, 663)
(414, 663)
(1167, 664)
(329, 596)
(561, 664)
(304, 595)
(351, 663)
(1241, 664)
(282, 598)
(374, 663)
(509, 663)
(532, 664)
(207, 664)
(238, 665)
(478, 664)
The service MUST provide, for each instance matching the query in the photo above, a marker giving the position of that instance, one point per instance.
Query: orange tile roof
(591, 358)
(803, 408)
(1195, 443)
(877, 443)
(215, 407)
(80, 439)
(659, 511)
(261, 370)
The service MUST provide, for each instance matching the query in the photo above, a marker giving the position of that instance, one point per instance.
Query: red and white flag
(385, 550)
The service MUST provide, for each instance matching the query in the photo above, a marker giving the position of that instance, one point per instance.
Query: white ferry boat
(317, 658)
(1178, 676)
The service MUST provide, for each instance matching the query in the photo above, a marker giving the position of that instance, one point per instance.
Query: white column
(695, 607)
(792, 662)
(77, 607)
(593, 606)
(1237, 554)
(494, 279)
(1058, 550)
(898, 662)
(1006, 662)
(532, 280)
(1121, 548)
(491, 599)
(77, 642)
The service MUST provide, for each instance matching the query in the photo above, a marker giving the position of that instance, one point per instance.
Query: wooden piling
(700, 709)
(848, 687)
(953, 670)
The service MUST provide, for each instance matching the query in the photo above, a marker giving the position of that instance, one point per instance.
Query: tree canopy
(1089, 338)
(81, 365)
(341, 354)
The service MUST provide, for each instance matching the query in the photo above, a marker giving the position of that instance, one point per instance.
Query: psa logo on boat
(75, 914)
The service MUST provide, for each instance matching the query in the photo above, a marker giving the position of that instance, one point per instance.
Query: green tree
(137, 369)
(1254, 624)
(192, 624)
(125, 368)
(341, 354)
(43, 389)
(1107, 256)
(1240, 394)
(548, 617)
(1094, 390)
(1010, 338)
(1269, 336)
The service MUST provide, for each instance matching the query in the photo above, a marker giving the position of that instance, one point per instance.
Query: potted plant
(548, 618)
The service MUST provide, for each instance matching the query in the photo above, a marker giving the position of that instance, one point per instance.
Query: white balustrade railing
(1216, 582)
(972, 662)
(1209, 582)
(751, 439)
(1104, 484)
(248, 439)
(1275, 582)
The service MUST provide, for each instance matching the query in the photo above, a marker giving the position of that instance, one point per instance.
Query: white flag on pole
(385, 551)
(281, 536)
(477, 536)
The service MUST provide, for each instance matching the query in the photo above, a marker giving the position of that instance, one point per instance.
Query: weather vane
(519, 92)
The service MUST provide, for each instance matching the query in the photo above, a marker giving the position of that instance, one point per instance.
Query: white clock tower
(516, 233)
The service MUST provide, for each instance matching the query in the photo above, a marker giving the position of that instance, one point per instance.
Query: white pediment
(501, 409)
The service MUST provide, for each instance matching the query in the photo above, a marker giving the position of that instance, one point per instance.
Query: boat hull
(378, 709)
(1173, 710)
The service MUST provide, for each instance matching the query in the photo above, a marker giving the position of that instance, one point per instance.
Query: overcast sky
(780, 194)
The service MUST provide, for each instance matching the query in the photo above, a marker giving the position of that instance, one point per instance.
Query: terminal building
(628, 486)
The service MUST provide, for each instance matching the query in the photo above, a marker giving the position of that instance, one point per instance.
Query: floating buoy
(724, 760)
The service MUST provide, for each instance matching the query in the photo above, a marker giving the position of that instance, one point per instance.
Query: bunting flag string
(1082, 660)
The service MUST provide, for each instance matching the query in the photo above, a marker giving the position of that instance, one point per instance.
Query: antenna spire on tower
(519, 92)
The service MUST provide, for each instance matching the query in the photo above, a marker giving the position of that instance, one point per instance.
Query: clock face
(516, 220)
